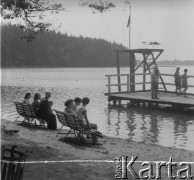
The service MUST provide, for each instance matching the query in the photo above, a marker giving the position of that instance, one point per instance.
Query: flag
(151, 43)
(156, 43)
(129, 21)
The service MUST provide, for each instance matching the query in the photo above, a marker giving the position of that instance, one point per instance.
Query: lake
(144, 125)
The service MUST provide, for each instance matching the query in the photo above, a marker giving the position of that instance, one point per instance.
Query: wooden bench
(29, 115)
(78, 131)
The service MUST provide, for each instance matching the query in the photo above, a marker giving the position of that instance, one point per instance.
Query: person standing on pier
(154, 83)
(177, 80)
(184, 82)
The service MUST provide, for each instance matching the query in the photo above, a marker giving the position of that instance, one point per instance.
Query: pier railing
(122, 82)
(172, 84)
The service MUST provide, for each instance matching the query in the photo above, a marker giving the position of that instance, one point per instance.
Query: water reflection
(151, 126)
(180, 131)
(143, 125)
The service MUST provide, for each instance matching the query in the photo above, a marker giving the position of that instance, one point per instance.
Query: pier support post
(128, 83)
(132, 103)
(138, 104)
(150, 104)
(132, 70)
(157, 105)
(118, 71)
(109, 84)
(114, 102)
(144, 71)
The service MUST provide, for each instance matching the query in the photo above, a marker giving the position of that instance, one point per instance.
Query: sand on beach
(66, 160)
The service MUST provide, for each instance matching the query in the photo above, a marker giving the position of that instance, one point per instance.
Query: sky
(169, 22)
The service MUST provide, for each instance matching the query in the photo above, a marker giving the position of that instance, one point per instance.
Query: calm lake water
(151, 126)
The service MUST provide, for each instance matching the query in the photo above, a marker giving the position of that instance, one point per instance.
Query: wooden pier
(167, 100)
(139, 93)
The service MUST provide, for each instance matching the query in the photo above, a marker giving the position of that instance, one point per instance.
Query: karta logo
(151, 170)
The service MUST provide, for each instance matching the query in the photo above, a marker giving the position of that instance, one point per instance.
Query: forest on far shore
(176, 63)
(51, 49)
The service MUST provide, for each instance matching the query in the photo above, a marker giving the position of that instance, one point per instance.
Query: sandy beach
(45, 146)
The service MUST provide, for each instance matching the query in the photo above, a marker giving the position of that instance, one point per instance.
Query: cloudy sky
(169, 22)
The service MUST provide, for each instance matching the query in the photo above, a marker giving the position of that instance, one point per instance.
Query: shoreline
(45, 146)
(83, 67)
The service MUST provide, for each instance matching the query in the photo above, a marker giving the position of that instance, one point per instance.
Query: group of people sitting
(42, 108)
(76, 107)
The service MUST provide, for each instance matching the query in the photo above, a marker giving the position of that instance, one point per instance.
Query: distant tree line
(176, 63)
(51, 49)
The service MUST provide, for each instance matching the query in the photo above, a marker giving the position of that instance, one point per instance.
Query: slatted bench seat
(78, 131)
(28, 113)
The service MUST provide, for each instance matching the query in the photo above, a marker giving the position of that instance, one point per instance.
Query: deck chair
(30, 118)
(78, 131)
(20, 111)
(62, 117)
(29, 115)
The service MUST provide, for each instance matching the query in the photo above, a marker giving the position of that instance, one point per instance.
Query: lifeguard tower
(125, 87)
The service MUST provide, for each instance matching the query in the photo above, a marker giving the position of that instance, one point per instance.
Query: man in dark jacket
(45, 112)
(154, 83)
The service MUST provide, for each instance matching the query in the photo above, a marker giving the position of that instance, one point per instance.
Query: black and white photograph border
(95, 89)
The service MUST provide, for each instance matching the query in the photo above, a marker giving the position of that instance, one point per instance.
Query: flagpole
(129, 25)
(131, 61)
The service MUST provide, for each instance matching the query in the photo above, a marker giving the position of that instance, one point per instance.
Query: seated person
(36, 102)
(82, 116)
(45, 112)
(70, 107)
(51, 104)
(27, 98)
(77, 101)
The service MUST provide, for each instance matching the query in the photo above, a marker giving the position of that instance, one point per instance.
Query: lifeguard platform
(135, 87)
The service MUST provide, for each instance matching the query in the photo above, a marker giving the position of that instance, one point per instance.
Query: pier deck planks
(165, 98)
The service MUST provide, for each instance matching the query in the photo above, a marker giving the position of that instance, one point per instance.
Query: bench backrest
(29, 110)
(68, 120)
(72, 121)
(61, 117)
(19, 108)
(26, 110)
